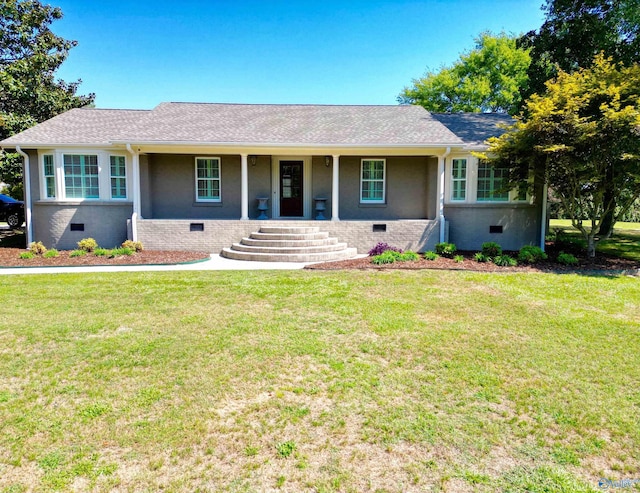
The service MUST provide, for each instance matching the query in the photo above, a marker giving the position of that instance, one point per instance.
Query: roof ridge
(290, 104)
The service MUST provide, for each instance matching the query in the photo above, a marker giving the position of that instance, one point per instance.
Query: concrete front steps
(289, 244)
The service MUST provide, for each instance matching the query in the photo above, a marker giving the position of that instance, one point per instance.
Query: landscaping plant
(446, 249)
(491, 249)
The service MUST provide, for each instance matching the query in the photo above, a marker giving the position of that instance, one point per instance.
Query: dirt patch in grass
(601, 262)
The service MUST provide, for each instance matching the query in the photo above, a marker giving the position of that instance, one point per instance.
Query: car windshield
(7, 199)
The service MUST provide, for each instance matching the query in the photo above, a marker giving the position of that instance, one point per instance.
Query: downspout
(136, 192)
(543, 220)
(441, 168)
(27, 194)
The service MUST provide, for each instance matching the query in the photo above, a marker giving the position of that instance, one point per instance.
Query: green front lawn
(624, 242)
(383, 381)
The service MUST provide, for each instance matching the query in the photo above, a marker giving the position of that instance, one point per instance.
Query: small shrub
(53, 253)
(382, 247)
(445, 249)
(136, 246)
(77, 253)
(481, 257)
(504, 261)
(491, 249)
(530, 254)
(37, 248)
(387, 257)
(458, 259)
(116, 252)
(429, 255)
(101, 252)
(408, 256)
(567, 259)
(285, 449)
(87, 244)
(26, 255)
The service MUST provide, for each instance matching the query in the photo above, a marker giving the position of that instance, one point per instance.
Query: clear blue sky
(136, 54)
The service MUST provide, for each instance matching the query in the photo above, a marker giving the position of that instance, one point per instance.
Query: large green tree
(30, 55)
(488, 78)
(582, 137)
(573, 33)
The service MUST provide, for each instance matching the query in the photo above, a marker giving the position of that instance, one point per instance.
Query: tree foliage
(582, 136)
(488, 78)
(30, 54)
(575, 31)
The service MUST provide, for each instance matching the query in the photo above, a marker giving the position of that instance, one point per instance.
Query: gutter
(441, 168)
(27, 194)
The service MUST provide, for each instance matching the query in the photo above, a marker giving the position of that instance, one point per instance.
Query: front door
(291, 189)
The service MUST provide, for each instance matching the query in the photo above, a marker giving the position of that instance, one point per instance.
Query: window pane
(81, 176)
(372, 180)
(208, 178)
(459, 179)
(491, 183)
(49, 176)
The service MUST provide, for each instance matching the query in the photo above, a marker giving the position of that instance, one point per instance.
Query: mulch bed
(9, 257)
(600, 263)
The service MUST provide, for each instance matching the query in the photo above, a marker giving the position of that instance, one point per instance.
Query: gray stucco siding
(469, 225)
(106, 222)
(407, 181)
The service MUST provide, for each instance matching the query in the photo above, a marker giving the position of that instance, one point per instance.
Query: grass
(318, 381)
(566, 223)
(624, 242)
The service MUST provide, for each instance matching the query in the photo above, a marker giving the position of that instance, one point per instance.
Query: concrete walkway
(216, 262)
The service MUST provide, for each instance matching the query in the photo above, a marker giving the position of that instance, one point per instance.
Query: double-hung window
(372, 181)
(81, 176)
(492, 183)
(118, 170)
(459, 179)
(49, 172)
(208, 179)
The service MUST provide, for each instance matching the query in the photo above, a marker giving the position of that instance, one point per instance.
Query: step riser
(314, 257)
(279, 250)
(290, 230)
(277, 236)
(289, 243)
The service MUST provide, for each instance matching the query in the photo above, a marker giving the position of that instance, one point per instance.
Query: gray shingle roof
(475, 128)
(80, 126)
(243, 124)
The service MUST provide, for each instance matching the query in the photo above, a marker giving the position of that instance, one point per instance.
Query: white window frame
(125, 178)
(104, 174)
(43, 177)
(83, 154)
(489, 200)
(219, 179)
(384, 181)
(453, 180)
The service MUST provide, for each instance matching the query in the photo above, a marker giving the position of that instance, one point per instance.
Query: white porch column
(335, 189)
(441, 168)
(244, 188)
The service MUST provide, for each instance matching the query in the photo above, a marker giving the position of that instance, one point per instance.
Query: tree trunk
(591, 246)
(607, 223)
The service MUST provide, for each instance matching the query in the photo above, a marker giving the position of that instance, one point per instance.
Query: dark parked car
(11, 211)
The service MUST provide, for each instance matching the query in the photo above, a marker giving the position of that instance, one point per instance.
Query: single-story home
(196, 176)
